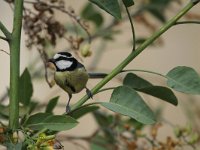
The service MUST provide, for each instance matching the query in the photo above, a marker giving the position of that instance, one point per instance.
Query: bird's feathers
(63, 64)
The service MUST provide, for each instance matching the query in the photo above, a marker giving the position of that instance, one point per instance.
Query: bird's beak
(50, 64)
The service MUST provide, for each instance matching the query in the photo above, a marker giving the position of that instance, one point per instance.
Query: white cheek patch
(63, 64)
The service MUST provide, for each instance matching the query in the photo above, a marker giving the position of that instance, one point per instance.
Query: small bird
(70, 74)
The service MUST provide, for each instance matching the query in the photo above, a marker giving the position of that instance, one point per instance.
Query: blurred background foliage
(43, 33)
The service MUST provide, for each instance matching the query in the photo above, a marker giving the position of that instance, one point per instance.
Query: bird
(70, 75)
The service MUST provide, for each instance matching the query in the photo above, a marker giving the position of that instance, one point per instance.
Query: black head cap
(64, 61)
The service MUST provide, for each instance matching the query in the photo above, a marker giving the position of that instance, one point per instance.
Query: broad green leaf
(35, 119)
(109, 34)
(195, 1)
(135, 124)
(161, 92)
(25, 88)
(91, 14)
(156, 13)
(52, 122)
(157, 7)
(136, 82)
(105, 121)
(59, 123)
(82, 111)
(96, 146)
(11, 146)
(128, 3)
(140, 40)
(110, 6)
(127, 101)
(99, 142)
(146, 87)
(32, 106)
(52, 104)
(184, 79)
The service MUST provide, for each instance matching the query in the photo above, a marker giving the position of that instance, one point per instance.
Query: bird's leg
(67, 106)
(89, 93)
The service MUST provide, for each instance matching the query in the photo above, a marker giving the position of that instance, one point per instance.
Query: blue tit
(70, 74)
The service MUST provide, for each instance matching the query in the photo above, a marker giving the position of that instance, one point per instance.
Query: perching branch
(134, 54)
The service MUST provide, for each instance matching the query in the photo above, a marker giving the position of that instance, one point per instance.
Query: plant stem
(15, 65)
(187, 22)
(5, 31)
(146, 71)
(135, 53)
(132, 28)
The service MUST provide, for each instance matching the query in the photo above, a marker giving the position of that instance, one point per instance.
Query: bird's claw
(68, 109)
(89, 93)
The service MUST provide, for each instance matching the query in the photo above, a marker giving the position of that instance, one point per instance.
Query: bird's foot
(68, 109)
(89, 93)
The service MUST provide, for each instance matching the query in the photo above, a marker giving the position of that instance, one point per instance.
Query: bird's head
(63, 61)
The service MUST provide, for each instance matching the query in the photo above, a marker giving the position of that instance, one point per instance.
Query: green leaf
(103, 119)
(127, 101)
(156, 13)
(35, 119)
(99, 143)
(96, 146)
(128, 3)
(32, 106)
(82, 111)
(140, 40)
(161, 92)
(11, 146)
(184, 79)
(195, 1)
(136, 82)
(91, 14)
(59, 123)
(157, 8)
(52, 104)
(142, 85)
(52, 122)
(25, 88)
(135, 124)
(110, 6)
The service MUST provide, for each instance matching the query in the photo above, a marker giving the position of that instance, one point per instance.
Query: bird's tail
(97, 75)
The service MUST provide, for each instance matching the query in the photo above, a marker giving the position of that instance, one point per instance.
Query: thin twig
(44, 60)
(4, 38)
(187, 22)
(72, 15)
(76, 18)
(5, 31)
(4, 51)
(132, 28)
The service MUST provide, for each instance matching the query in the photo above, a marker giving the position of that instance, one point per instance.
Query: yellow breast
(72, 81)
